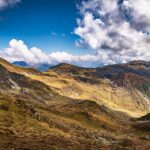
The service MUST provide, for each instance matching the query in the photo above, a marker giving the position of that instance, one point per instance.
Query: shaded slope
(13, 82)
(140, 68)
(145, 118)
(24, 87)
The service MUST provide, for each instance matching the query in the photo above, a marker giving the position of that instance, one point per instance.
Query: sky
(47, 24)
(87, 33)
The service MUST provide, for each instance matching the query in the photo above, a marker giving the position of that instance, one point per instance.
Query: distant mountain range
(41, 66)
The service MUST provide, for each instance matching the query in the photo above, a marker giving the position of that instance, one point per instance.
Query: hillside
(37, 112)
(127, 85)
(76, 125)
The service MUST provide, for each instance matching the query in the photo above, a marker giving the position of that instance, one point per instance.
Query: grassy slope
(76, 125)
(101, 91)
(36, 117)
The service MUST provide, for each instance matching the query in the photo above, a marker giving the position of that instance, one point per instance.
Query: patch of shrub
(146, 87)
(5, 106)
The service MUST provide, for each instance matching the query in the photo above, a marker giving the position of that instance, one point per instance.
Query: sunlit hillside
(81, 85)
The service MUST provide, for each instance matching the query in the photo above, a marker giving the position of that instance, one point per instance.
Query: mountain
(21, 64)
(65, 68)
(139, 68)
(68, 107)
(40, 66)
(123, 87)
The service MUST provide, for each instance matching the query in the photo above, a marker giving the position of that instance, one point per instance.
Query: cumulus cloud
(6, 3)
(117, 29)
(19, 51)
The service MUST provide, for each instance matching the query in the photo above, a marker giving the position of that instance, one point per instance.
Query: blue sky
(96, 33)
(46, 24)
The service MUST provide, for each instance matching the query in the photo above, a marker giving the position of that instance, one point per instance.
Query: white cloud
(19, 51)
(5, 3)
(118, 30)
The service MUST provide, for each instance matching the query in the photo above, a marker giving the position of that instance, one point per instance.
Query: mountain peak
(138, 62)
(64, 66)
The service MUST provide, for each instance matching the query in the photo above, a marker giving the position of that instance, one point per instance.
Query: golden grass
(103, 93)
